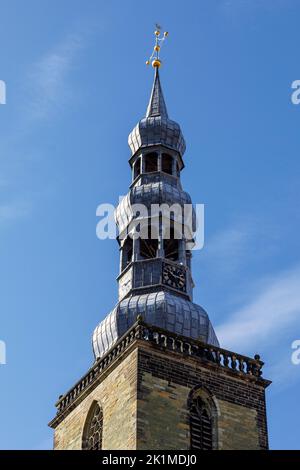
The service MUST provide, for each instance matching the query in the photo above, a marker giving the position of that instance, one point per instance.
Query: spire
(156, 128)
(157, 105)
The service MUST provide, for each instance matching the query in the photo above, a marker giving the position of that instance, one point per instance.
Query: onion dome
(149, 194)
(161, 309)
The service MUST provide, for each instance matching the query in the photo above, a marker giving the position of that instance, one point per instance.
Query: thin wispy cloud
(231, 249)
(13, 210)
(275, 308)
(283, 372)
(263, 309)
(48, 79)
(46, 90)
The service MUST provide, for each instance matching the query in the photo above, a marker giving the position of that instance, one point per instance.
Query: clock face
(174, 276)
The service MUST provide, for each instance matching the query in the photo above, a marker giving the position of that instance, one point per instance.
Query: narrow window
(137, 168)
(167, 163)
(148, 248)
(188, 258)
(171, 245)
(127, 252)
(150, 162)
(200, 425)
(92, 436)
(149, 242)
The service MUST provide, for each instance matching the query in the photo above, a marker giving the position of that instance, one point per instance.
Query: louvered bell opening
(201, 428)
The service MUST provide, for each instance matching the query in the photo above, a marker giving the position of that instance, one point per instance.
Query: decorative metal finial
(159, 39)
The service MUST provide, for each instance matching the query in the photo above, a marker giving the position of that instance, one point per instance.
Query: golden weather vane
(159, 39)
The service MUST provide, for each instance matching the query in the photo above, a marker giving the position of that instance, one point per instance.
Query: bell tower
(160, 379)
(156, 228)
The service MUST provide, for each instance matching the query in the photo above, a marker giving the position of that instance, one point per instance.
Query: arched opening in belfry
(177, 170)
(151, 162)
(167, 163)
(137, 168)
(127, 251)
(172, 240)
(149, 242)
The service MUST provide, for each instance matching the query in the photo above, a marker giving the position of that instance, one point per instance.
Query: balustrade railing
(165, 340)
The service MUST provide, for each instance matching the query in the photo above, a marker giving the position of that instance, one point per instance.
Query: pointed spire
(157, 105)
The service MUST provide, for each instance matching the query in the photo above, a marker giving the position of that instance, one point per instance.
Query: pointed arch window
(92, 436)
(201, 424)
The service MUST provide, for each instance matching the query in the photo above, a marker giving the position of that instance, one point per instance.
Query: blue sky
(76, 86)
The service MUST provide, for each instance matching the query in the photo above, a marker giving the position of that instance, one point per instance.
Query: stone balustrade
(165, 340)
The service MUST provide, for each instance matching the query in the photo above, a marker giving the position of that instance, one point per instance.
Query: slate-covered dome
(149, 194)
(156, 128)
(161, 309)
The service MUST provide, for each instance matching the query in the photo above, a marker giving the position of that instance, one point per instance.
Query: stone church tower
(160, 380)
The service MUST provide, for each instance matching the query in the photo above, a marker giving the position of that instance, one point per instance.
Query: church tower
(160, 380)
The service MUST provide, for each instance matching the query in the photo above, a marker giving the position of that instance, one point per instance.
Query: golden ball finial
(156, 63)
(166, 33)
(157, 48)
(157, 33)
(147, 62)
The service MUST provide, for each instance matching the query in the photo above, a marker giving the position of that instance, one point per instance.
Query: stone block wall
(144, 397)
(117, 394)
(165, 382)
